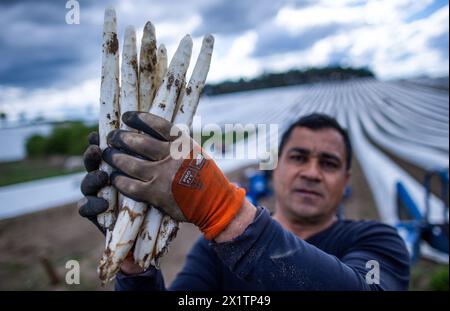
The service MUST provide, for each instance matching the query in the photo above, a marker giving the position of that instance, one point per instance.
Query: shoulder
(367, 230)
(361, 230)
(369, 237)
(376, 240)
(373, 241)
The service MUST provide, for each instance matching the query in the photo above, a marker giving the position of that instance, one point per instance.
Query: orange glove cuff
(205, 196)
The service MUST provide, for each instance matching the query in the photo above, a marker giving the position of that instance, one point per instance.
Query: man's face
(311, 175)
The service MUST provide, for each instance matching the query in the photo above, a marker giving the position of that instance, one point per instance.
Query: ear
(347, 179)
(275, 172)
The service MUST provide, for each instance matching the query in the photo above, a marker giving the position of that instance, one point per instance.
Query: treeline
(68, 138)
(292, 77)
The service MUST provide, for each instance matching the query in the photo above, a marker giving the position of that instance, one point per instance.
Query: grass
(427, 275)
(31, 169)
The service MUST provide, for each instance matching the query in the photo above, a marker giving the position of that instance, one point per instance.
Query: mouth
(307, 192)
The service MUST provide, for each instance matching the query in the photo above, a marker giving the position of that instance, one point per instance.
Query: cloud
(278, 41)
(339, 33)
(52, 102)
(237, 16)
(38, 48)
(439, 43)
(405, 50)
(232, 58)
(54, 68)
(426, 10)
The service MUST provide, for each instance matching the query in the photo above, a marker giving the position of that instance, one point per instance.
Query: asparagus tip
(208, 39)
(129, 31)
(149, 27)
(110, 11)
(162, 48)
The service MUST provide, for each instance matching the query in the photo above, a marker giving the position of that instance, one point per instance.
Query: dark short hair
(318, 121)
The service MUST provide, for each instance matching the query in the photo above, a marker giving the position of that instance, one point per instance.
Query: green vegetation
(66, 139)
(31, 169)
(47, 156)
(427, 275)
(439, 279)
(292, 77)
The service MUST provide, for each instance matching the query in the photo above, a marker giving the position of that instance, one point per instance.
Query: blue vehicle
(258, 186)
(415, 227)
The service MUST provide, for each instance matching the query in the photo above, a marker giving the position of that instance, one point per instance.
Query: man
(304, 246)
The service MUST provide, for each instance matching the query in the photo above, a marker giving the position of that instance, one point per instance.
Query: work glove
(91, 205)
(187, 185)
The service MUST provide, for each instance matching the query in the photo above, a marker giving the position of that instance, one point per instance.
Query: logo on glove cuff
(190, 176)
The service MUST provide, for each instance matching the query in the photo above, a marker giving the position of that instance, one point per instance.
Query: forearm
(132, 277)
(237, 226)
(275, 259)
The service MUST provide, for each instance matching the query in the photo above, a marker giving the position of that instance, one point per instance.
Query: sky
(52, 69)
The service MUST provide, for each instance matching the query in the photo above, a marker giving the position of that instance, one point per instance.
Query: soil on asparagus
(35, 248)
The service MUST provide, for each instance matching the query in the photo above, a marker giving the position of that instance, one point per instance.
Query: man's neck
(303, 230)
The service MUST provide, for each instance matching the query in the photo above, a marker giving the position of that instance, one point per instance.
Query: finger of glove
(93, 182)
(93, 138)
(150, 124)
(128, 164)
(130, 187)
(92, 158)
(141, 144)
(90, 206)
(94, 220)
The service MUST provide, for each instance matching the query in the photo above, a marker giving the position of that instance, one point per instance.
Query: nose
(311, 171)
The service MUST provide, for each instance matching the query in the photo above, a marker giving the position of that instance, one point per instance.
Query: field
(399, 130)
(34, 248)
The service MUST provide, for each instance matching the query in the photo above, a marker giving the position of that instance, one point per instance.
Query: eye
(298, 158)
(331, 165)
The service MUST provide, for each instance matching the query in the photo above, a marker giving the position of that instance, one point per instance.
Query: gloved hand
(189, 189)
(91, 205)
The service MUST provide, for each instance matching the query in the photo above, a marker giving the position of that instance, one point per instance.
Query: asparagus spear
(172, 96)
(191, 97)
(109, 109)
(147, 68)
(164, 106)
(131, 213)
(145, 242)
(161, 66)
(167, 227)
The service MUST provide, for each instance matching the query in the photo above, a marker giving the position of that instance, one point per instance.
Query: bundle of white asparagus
(146, 86)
